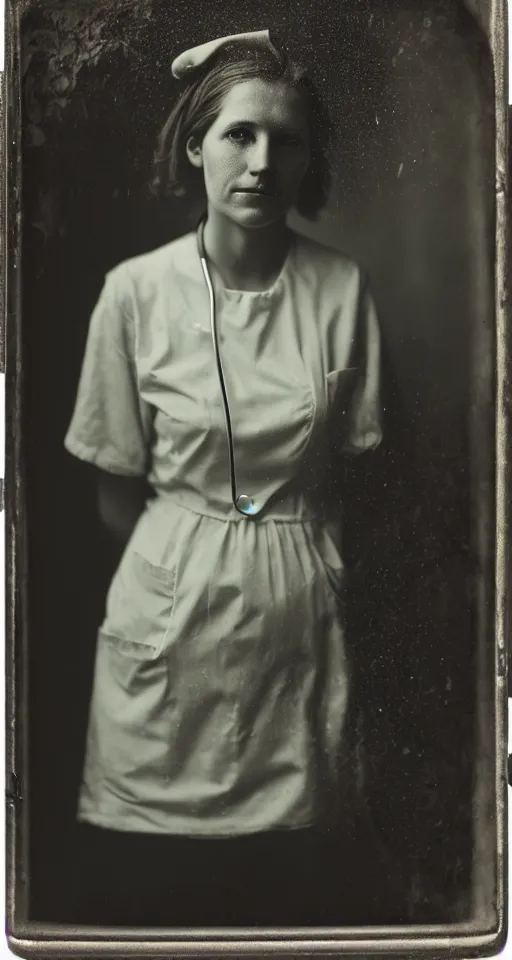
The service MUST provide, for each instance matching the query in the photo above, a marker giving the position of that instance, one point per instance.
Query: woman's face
(255, 154)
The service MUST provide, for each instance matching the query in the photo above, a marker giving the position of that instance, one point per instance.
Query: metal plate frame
(457, 940)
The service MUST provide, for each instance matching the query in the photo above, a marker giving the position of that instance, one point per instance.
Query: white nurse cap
(191, 59)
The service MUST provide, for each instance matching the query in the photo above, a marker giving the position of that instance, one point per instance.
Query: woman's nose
(259, 160)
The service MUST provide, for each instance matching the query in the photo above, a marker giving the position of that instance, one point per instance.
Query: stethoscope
(243, 503)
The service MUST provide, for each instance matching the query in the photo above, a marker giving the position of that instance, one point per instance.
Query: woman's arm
(121, 501)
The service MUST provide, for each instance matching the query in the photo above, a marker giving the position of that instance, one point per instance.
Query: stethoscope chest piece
(245, 504)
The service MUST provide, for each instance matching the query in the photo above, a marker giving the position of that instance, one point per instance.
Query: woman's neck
(245, 259)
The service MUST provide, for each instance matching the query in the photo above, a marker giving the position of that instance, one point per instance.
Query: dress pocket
(140, 607)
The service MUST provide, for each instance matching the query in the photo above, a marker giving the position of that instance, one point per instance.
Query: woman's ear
(195, 152)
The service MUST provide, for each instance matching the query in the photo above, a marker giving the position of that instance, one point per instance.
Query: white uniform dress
(220, 688)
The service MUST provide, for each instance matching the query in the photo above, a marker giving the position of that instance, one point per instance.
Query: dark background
(409, 88)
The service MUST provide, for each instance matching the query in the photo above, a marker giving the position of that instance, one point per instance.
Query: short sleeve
(111, 425)
(363, 421)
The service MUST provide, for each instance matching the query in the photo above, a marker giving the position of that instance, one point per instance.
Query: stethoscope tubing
(218, 362)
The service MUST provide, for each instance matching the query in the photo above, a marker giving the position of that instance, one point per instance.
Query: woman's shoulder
(326, 260)
(156, 266)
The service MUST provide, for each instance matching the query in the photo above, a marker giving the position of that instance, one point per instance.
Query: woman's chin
(257, 217)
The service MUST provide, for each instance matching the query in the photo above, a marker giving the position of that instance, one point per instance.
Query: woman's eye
(240, 135)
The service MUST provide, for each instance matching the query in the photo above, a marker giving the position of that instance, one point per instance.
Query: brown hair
(201, 100)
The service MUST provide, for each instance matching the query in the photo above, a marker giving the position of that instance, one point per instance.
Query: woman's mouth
(256, 191)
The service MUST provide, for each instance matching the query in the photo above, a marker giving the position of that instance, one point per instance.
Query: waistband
(293, 508)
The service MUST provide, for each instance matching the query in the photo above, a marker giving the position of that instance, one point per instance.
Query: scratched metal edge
(289, 945)
(499, 46)
(27, 939)
(17, 822)
(490, 881)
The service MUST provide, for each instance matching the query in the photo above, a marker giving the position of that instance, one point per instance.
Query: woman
(223, 369)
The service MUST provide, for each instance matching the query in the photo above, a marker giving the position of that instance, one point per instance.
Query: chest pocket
(140, 606)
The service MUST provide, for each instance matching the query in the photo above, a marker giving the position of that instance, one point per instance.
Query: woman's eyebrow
(241, 123)
(283, 128)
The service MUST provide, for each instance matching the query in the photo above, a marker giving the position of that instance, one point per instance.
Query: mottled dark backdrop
(410, 93)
